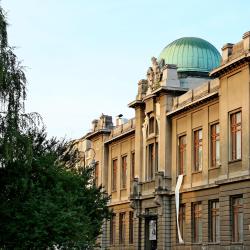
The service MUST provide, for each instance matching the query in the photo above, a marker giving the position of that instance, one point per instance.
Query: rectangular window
(112, 229)
(132, 166)
(215, 145)
(131, 227)
(96, 173)
(235, 136)
(237, 219)
(122, 228)
(156, 156)
(214, 221)
(182, 154)
(182, 220)
(150, 161)
(197, 222)
(124, 172)
(151, 125)
(198, 150)
(114, 174)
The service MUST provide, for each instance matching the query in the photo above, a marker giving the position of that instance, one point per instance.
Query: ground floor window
(112, 229)
(237, 219)
(214, 221)
(197, 222)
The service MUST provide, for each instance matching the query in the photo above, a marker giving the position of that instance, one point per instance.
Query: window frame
(114, 177)
(122, 228)
(197, 160)
(239, 238)
(233, 135)
(124, 170)
(196, 237)
(182, 220)
(132, 166)
(181, 169)
(214, 138)
(96, 179)
(214, 215)
(131, 227)
(112, 235)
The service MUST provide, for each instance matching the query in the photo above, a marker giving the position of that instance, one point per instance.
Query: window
(96, 173)
(112, 229)
(237, 219)
(124, 172)
(214, 221)
(131, 227)
(215, 145)
(198, 150)
(182, 154)
(122, 228)
(235, 136)
(182, 219)
(151, 125)
(114, 174)
(197, 222)
(132, 166)
(156, 156)
(150, 161)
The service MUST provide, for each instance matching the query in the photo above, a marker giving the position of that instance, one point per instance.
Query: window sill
(237, 243)
(213, 243)
(113, 191)
(197, 172)
(216, 167)
(233, 161)
(122, 189)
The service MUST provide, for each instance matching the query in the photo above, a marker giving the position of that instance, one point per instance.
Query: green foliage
(43, 204)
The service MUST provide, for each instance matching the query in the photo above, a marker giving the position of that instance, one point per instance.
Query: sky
(85, 57)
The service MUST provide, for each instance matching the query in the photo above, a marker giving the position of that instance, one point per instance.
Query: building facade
(187, 150)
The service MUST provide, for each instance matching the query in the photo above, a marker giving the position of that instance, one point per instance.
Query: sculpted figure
(150, 77)
(142, 89)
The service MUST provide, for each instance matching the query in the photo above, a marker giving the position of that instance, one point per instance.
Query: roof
(191, 54)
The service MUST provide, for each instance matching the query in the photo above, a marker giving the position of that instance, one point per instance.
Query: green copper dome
(191, 54)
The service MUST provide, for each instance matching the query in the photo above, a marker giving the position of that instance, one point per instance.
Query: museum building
(187, 150)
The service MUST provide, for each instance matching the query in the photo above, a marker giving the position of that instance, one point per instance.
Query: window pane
(238, 145)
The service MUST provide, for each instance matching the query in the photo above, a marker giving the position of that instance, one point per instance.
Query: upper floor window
(197, 150)
(214, 221)
(182, 154)
(114, 175)
(96, 173)
(237, 219)
(151, 157)
(215, 145)
(132, 172)
(124, 172)
(235, 136)
(197, 222)
(151, 125)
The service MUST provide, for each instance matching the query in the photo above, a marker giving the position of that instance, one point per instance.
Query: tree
(43, 204)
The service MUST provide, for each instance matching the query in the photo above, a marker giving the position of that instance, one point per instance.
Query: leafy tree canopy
(43, 204)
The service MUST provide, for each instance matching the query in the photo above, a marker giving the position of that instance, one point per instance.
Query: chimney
(246, 40)
(226, 51)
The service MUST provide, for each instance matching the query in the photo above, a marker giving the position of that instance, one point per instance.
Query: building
(187, 149)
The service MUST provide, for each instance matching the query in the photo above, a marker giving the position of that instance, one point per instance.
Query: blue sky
(85, 58)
